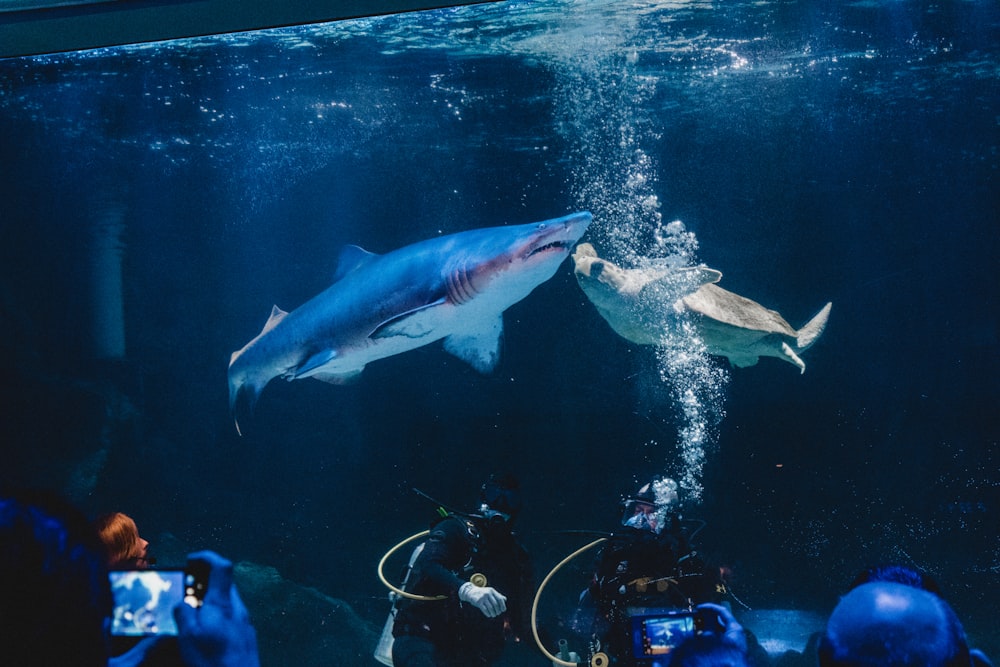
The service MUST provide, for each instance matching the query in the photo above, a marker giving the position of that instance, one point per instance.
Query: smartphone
(660, 633)
(144, 600)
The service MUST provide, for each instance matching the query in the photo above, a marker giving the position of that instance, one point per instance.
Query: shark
(453, 288)
(645, 304)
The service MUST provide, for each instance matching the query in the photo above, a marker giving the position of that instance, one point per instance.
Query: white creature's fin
(808, 334)
(792, 357)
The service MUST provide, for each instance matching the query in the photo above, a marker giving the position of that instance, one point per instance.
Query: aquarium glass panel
(284, 295)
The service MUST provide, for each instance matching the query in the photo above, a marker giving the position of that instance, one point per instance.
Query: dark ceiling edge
(27, 32)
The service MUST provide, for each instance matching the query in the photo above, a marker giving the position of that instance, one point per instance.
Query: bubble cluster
(600, 109)
(697, 386)
(665, 498)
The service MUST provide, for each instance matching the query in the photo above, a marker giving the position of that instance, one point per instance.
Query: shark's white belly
(422, 328)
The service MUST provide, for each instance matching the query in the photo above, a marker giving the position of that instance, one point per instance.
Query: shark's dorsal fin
(277, 314)
(481, 349)
(351, 258)
(405, 324)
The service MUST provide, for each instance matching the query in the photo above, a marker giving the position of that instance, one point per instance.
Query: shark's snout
(559, 235)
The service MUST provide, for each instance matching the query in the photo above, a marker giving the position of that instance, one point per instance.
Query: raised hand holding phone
(218, 633)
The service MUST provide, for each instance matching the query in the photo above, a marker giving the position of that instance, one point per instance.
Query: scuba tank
(383, 651)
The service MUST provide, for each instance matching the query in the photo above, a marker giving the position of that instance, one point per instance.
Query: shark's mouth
(558, 236)
(560, 246)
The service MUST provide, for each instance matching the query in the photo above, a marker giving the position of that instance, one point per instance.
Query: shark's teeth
(554, 245)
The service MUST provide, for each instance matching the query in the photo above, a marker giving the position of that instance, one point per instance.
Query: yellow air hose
(400, 591)
(599, 659)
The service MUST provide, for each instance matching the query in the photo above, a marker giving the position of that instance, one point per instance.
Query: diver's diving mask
(643, 516)
(647, 508)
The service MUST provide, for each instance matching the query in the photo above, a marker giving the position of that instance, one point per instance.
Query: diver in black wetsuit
(648, 563)
(468, 628)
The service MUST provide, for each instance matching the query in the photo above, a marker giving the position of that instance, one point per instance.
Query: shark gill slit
(460, 289)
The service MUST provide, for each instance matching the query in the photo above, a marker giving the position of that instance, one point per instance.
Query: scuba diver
(648, 565)
(469, 588)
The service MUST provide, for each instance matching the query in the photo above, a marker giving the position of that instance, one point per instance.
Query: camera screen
(144, 601)
(658, 635)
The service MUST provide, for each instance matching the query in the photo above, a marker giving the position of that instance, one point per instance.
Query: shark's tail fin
(243, 396)
(241, 404)
(808, 334)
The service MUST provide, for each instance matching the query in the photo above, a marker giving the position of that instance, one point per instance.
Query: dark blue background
(818, 153)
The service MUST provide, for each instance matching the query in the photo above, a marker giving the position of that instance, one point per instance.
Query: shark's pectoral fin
(407, 323)
(314, 368)
(481, 348)
(338, 378)
(312, 364)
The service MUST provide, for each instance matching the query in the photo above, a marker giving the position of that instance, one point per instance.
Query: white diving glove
(484, 598)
